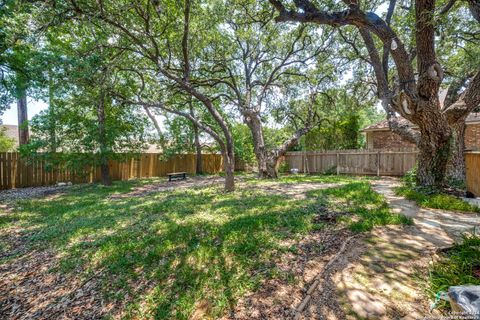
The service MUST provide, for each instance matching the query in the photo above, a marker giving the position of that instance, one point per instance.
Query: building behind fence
(394, 162)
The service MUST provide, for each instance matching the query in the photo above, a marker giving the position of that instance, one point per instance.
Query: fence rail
(472, 168)
(358, 162)
(16, 172)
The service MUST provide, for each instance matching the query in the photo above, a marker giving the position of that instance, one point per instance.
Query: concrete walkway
(383, 276)
(440, 227)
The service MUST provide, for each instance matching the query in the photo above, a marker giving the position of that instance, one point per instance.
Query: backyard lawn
(140, 250)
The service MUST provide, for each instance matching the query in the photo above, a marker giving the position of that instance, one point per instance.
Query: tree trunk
(198, 146)
(229, 167)
(253, 121)
(23, 134)
(198, 149)
(434, 146)
(456, 162)
(51, 116)
(268, 162)
(104, 169)
(272, 164)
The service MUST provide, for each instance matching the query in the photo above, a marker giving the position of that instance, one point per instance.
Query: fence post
(378, 163)
(338, 164)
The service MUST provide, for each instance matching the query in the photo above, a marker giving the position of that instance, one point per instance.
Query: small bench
(176, 176)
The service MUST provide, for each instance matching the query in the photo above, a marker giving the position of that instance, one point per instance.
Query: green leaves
(6, 143)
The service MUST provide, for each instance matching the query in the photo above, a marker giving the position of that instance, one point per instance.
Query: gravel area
(31, 192)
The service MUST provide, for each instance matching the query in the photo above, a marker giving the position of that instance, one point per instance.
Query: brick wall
(472, 136)
(387, 140)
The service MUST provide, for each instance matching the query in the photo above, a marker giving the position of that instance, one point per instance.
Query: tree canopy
(243, 77)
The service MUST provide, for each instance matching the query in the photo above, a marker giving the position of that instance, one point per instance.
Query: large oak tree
(161, 40)
(414, 93)
(266, 66)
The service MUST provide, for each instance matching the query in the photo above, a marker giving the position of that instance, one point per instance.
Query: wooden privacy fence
(16, 172)
(358, 162)
(472, 168)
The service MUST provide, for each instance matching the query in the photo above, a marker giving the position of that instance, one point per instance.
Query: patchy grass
(310, 178)
(366, 207)
(196, 246)
(459, 266)
(436, 200)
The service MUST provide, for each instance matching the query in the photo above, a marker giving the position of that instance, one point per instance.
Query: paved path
(383, 276)
(440, 227)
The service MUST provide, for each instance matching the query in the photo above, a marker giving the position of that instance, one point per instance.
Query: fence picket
(472, 167)
(364, 162)
(16, 171)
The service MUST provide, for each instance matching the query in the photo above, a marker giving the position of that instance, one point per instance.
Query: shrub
(284, 167)
(410, 178)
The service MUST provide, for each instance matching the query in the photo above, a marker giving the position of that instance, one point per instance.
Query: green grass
(436, 200)
(196, 245)
(456, 267)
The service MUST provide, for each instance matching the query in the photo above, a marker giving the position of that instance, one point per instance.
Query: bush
(410, 178)
(284, 167)
(6, 143)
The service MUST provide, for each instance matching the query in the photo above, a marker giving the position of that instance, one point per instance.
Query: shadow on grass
(199, 248)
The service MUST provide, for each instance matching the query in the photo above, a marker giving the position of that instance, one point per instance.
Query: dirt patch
(190, 182)
(279, 297)
(31, 192)
(476, 271)
(296, 191)
(31, 291)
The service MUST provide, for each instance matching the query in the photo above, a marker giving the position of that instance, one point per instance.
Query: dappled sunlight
(384, 282)
(193, 252)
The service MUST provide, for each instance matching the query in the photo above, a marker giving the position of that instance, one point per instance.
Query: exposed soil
(296, 191)
(476, 271)
(190, 182)
(382, 281)
(278, 298)
(31, 192)
(31, 289)
(378, 276)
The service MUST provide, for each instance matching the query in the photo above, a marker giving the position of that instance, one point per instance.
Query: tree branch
(468, 100)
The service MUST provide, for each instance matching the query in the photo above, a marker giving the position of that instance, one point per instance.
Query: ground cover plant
(436, 200)
(428, 198)
(459, 265)
(167, 254)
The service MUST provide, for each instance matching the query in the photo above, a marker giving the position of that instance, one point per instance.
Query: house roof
(473, 117)
(11, 131)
